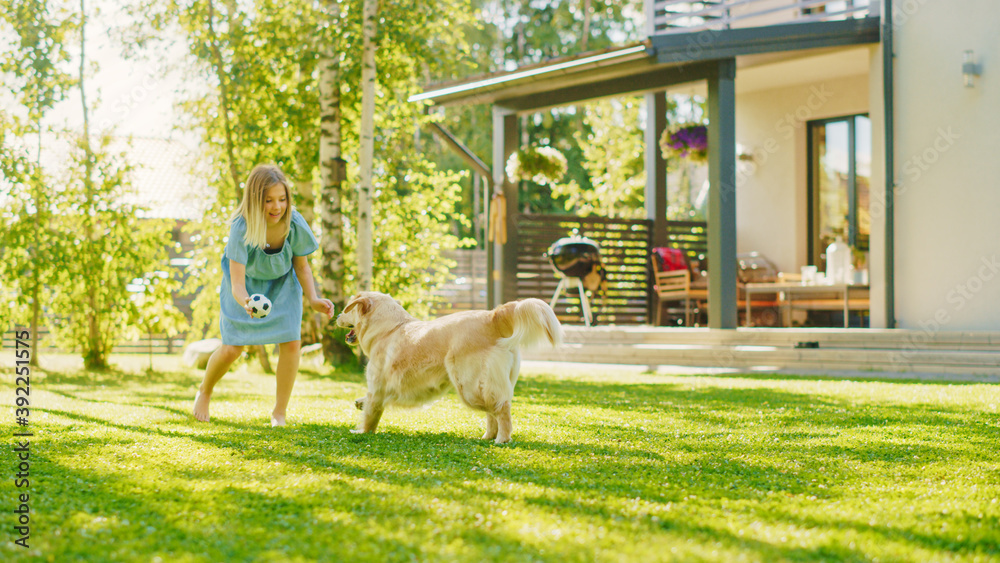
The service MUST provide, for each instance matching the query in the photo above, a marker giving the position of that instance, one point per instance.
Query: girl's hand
(324, 306)
(246, 306)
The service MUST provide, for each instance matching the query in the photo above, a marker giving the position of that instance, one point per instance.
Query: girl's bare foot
(277, 420)
(201, 406)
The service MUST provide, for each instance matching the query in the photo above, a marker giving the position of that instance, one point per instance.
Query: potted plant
(542, 165)
(685, 141)
(859, 260)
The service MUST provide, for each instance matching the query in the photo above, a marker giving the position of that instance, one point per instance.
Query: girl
(268, 239)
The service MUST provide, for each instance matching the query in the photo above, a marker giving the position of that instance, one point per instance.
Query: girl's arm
(238, 275)
(304, 273)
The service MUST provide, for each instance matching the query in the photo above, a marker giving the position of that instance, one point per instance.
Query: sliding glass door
(839, 179)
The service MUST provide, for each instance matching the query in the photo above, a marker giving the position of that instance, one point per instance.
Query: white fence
(683, 16)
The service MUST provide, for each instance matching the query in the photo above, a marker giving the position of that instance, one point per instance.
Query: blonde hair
(251, 207)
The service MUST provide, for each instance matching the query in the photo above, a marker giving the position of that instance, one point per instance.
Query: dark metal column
(722, 196)
(656, 166)
(888, 269)
(502, 258)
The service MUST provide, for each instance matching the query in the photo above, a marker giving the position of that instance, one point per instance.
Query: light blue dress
(271, 275)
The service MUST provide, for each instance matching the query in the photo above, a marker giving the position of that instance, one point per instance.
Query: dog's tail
(529, 323)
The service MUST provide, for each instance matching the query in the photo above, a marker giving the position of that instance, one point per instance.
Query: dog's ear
(363, 302)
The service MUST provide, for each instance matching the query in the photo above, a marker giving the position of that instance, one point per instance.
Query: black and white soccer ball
(260, 306)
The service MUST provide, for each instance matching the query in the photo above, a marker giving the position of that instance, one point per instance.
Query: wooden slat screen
(465, 289)
(625, 246)
(691, 237)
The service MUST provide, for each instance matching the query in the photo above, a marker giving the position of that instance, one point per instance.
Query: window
(840, 156)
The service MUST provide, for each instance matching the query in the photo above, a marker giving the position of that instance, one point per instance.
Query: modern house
(832, 137)
(877, 118)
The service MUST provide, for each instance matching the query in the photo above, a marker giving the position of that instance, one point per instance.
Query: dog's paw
(357, 431)
(359, 403)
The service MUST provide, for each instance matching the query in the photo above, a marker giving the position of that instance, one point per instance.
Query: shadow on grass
(227, 521)
(112, 376)
(162, 514)
(338, 374)
(591, 474)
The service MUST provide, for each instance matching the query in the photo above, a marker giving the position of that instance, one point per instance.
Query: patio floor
(969, 356)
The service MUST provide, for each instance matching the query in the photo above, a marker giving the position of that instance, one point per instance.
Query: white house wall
(771, 193)
(947, 165)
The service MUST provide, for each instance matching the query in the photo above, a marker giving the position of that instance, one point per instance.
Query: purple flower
(686, 141)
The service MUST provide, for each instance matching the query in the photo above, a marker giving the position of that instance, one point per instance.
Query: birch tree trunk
(95, 357)
(224, 99)
(369, 13)
(36, 277)
(331, 175)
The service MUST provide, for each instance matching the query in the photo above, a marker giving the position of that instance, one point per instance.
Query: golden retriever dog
(412, 362)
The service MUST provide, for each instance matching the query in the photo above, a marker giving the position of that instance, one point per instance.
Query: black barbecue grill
(574, 257)
(577, 262)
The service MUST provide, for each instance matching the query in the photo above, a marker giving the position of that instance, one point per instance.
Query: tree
(292, 73)
(35, 75)
(255, 104)
(367, 145)
(510, 33)
(24, 231)
(109, 247)
(613, 159)
(108, 244)
(332, 174)
(152, 310)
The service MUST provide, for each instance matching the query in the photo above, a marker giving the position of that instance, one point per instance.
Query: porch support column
(502, 258)
(722, 196)
(656, 166)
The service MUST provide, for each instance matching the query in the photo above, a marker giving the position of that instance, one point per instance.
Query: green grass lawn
(605, 465)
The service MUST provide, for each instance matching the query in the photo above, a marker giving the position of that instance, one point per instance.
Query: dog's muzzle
(352, 337)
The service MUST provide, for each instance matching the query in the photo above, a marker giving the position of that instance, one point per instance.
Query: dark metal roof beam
(724, 43)
(474, 162)
(655, 80)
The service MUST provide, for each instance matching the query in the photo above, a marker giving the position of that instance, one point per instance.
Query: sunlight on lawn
(606, 464)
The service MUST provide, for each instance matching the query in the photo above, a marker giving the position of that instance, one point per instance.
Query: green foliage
(606, 464)
(511, 33)
(152, 309)
(534, 31)
(33, 64)
(542, 165)
(33, 54)
(613, 159)
(413, 206)
(108, 247)
(411, 231)
(19, 226)
(209, 235)
(268, 53)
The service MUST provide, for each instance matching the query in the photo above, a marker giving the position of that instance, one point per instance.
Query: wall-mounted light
(970, 69)
(746, 160)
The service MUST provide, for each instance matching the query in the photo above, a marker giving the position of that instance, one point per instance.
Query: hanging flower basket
(686, 141)
(542, 165)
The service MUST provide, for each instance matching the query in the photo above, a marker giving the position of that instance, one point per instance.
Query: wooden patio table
(790, 289)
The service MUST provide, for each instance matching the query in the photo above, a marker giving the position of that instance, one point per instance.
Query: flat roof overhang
(659, 62)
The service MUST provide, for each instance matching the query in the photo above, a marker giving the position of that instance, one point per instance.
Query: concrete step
(886, 339)
(985, 364)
